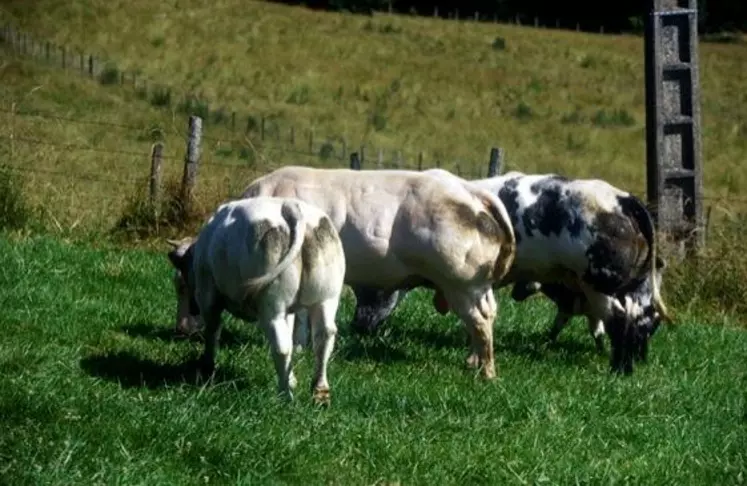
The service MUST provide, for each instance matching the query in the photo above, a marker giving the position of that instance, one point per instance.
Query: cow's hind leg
(478, 315)
(323, 334)
(279, 332)
(561, 320)
(300, 330)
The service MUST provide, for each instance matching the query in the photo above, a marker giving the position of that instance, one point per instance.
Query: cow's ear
(660, 263)
(176, 258)
(618, 309)
(179, 256)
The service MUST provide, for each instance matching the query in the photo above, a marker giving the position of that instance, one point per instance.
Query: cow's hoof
(205, 368)
(599, 345)
(321, 397)
(488, 372)
(473, 361)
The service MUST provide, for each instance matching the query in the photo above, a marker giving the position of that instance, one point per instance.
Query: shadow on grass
(537, 347)
(371, 348)
(131, 371)
(228, 337)
(533, 345)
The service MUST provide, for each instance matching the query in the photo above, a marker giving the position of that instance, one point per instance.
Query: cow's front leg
(560, 321)
(596, 329)
(211, 321)
(324, 332)
(280, 335)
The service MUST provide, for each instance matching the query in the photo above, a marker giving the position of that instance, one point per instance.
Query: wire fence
(225, 164)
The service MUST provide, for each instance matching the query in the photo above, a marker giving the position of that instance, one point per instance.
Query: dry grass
(554, 100)
(426, 84)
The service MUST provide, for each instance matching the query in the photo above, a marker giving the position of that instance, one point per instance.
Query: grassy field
(93, 387)
(94, 390)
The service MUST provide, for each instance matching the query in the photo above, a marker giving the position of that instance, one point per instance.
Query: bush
(499, 44)
(140, 219)
(161, 97)
(110, 74)
(613, 118)
(15, 212)
(523, 111)
(715, 280)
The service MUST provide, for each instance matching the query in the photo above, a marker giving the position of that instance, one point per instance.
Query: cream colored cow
(264, 258)
(404, 229)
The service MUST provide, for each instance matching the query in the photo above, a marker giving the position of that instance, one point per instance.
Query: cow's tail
(291, 212)
(498, 211)
(640, 213)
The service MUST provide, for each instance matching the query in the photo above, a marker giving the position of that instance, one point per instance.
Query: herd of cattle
(282, 252)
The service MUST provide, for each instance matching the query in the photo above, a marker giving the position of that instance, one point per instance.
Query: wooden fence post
(420, 160)
(380, 161)
(191, 161)
(155, 180)
(91, 70)
(496, 161)
(355, 162)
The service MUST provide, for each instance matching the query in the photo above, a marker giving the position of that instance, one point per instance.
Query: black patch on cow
(372, 307)
(554, 210)
(554, 181)
(509, 196)
(613, 254)
(636, 211)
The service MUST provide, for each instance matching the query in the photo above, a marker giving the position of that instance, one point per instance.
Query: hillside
(554, 100)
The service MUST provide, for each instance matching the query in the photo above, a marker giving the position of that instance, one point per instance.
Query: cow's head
(187, 311)
(638, 313)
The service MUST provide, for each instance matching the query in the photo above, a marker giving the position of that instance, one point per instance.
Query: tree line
(622, 16)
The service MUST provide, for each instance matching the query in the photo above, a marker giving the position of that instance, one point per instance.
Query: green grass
(91, 391)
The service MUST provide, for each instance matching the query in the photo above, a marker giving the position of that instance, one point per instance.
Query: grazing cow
(404, 229)
(587, 245)
(264, 258)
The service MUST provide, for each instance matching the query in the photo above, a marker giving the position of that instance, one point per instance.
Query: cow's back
(387, 220)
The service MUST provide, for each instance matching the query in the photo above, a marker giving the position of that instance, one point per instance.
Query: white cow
(264, 258)
(404, 229)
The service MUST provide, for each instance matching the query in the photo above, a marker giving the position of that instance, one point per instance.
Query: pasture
(94, 389)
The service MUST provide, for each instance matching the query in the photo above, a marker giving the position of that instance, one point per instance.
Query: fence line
(84, 176)
(49, 116)
(194, 158)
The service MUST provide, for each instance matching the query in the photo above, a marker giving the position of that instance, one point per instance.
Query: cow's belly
(549, 259)
(369, 261)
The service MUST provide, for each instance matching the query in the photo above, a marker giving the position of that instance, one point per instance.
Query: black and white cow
(586, 244)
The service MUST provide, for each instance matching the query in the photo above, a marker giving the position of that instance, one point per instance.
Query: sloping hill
(554, 100)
